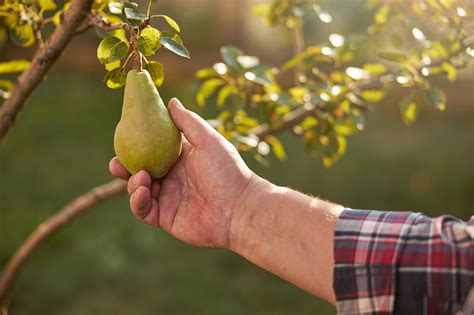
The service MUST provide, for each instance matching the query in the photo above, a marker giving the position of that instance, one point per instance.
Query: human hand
(196, 200)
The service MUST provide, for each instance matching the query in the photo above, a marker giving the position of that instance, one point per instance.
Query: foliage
(329, 81)
(124, 30)
(321, 93)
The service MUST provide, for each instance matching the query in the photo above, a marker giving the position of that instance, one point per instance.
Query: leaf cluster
(135, 37)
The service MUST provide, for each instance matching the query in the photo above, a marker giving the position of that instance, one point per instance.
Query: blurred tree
(320, 94)
(332, 87)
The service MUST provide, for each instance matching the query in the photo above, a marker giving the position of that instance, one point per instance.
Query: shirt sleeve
(402, 263)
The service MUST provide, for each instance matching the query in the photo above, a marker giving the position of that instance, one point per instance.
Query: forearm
(289, 234)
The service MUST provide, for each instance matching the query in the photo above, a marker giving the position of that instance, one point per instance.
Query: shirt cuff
(366, 245)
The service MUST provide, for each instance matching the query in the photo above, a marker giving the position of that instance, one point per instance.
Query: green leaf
(408, 110)
(171, 22)
(172, 45)
(115, 7)
(230, 55)
(341, 145)
(5, 88)
(207, 89)
(178, 39)
(277, 147)
(149, 41)
(131, 5)
(225, 93)
(372, 96)
(381, 16)
(157, 72)
(346, 127)
(392, 56)
(437, 97)
(57, 16)
(47, 5)
(293, 62)
(111, 49)
(14, 66)
(133, 14)
(23, 35)
(450, 70)
(115, 79)
(112, 66)
(375, 68)
(206, 73)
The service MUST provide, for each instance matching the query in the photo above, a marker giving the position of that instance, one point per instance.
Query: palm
(194, 201)
(196, 197)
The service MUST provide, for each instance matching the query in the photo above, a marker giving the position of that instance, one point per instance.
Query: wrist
(246, 213)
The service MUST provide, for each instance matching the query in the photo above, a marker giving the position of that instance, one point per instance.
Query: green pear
(146, 137)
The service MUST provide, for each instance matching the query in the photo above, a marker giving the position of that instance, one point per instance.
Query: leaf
(346, 127)
(225, 93)
(115, 7)
(131, 5)
(375, 68)
(392, 56)
(112, 66)
(23, 35)
(277, 147)
(47, 5)
(408, 111)
(372, 96)
(293, 62)
(207, 89)
(171, 22)
(133, 14)
(14, 66)
(111, 49)
(450, 70)
(230, 55)
(115, 79)
(341, 145)
(437, 97)
(172, 45)
(178, 39)
(248, 61)
(205, 73)
(5, 88)
(381, 16)
(149, 41)
(157, 72)
(57, 16)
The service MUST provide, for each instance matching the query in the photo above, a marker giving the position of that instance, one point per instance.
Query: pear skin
(146, 137)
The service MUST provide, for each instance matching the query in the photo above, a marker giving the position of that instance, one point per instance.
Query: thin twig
(42, 61)
(76, 207)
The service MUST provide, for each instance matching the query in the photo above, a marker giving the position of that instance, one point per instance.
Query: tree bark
(41, 63)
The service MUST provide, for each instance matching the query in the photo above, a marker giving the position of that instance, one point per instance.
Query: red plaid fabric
(403, 263)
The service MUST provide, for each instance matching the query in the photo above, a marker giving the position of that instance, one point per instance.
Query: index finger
(116, 169)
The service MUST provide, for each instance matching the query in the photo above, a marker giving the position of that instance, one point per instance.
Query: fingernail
(178, 103)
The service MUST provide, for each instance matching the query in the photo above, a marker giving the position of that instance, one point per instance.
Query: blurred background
(106, 262)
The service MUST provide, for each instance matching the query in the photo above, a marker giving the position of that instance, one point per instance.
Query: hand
(196, 200)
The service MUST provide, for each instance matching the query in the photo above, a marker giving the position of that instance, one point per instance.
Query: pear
(146, 137)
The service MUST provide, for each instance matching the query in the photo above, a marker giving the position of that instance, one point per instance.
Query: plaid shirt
(403, 263)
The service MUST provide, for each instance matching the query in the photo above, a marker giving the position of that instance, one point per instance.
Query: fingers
(140, 179)
(144, 203)
(197, 130)
(117, 170)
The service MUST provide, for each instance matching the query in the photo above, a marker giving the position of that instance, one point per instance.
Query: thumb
(195, 129)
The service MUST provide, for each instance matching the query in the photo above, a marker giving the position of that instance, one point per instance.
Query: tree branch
(299, 114)
(40, 64)
(76, 207)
